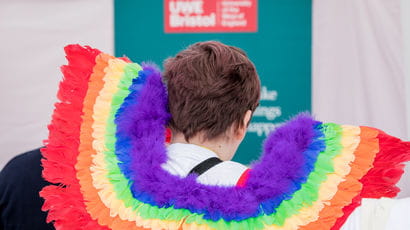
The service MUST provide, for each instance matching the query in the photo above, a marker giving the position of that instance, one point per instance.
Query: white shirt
(182, 158)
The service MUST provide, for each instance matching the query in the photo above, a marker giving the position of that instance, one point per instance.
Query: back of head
(210, 87)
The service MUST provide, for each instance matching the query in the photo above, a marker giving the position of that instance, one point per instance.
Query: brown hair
(210, 87)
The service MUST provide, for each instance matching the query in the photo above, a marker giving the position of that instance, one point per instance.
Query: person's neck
(219, 146)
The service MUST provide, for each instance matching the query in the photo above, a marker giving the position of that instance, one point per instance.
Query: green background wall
(281, 51)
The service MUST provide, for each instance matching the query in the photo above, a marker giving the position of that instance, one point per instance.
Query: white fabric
(375, 213)
(182, 158)
(380, 214)
(399, 215)
(32, 37)
(358, 70)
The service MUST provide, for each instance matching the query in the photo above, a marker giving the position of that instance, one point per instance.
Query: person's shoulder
(20, 184)
(226, 173)
(23, 162)
(231, 166)
(23, 170)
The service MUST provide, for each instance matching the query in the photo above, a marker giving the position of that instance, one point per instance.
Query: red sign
(199, 16)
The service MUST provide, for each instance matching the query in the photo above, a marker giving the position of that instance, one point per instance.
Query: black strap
(205, 165)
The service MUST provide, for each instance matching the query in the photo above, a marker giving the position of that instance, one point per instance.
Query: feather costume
(107, 143)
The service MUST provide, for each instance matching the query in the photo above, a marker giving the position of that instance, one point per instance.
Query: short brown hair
(210, 87)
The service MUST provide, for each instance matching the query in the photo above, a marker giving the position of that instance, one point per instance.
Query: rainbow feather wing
(106, 148)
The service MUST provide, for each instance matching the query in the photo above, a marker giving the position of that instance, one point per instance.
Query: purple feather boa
(275, 177)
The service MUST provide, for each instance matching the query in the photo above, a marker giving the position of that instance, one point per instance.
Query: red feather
(64, 203)
(380, 180)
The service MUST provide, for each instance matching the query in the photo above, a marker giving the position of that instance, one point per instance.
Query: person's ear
(241, 131)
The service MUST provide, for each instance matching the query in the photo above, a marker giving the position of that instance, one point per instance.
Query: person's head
(213, 89)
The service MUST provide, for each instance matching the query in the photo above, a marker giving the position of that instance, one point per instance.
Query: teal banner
(277, 39)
